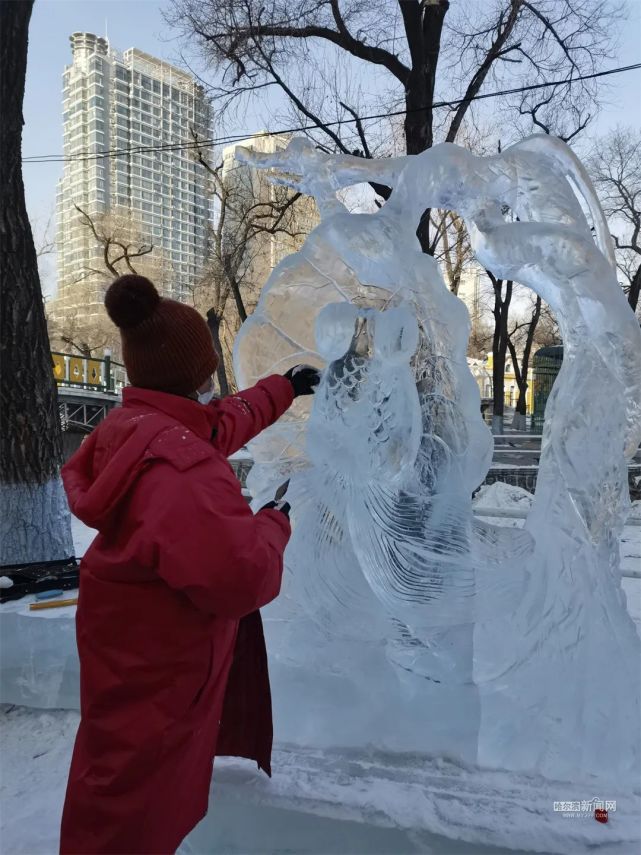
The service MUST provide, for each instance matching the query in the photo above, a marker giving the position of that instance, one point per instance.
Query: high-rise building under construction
(128, 175)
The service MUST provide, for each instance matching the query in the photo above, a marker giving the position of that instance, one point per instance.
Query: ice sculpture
(525, 630)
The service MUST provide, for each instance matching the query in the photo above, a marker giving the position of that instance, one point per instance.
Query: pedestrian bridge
(87, 389)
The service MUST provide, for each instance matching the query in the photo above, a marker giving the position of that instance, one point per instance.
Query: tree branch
(495, 50)
(342, 39)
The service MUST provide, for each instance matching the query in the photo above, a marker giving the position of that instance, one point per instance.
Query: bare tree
(547, 332)
(565, 124)
(252, 216)
(210, 295)
(45, 244)
(503, 291)
(480, 341)
(86, 338)
(527, 330)
(120, 244)
(44, 240)
(532, 329)
(114, 243)
(418, 52)
(34, 524)
(615, 166)
(408, 47)
(451, 246)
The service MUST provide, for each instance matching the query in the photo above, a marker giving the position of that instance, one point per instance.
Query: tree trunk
(213, 322)
(238, 297)
(423, 27)
(500, 342)
(635, 287)
(498, 382)
(35, 523)
(519, 422)
(519, 419)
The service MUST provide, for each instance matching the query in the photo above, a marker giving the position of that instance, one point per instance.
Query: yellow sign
(94, 372)
(77, 369)
(58, 367)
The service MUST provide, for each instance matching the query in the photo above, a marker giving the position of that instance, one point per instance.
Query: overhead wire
(234, 138)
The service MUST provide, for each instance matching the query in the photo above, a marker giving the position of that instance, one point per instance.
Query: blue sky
(139, 23)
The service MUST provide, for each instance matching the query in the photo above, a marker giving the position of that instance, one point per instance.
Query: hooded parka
(169, 593)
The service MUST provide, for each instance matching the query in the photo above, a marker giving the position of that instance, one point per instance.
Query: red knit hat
(166, 345)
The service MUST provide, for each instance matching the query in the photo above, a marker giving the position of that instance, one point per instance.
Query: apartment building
(127, 117)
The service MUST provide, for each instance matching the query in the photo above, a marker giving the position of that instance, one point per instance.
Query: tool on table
(53, 604)
(22, 579)
(55, 594)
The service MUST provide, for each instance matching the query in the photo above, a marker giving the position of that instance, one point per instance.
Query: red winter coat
(179, 561)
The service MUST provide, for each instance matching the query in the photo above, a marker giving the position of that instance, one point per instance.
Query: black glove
(283, 507)
(304, 379)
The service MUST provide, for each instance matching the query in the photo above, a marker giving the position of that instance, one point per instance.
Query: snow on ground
(82, 536)
(35, 760)
(322, 803)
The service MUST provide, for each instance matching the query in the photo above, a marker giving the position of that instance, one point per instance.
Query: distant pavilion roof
(553, 351)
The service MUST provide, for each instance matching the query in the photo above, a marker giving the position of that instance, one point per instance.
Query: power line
(233, 138)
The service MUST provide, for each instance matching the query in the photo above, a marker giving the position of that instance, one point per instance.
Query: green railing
(88, 373)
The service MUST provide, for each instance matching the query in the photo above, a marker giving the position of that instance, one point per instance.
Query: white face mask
(206, 397)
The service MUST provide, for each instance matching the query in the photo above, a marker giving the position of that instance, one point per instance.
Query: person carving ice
(172, 657)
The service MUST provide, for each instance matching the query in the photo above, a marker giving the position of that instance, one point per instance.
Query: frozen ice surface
(319, 803)
(406, 621)
(38, 654)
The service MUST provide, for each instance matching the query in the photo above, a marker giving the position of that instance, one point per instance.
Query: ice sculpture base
(337, 711)
(335, 802)
(39, 665)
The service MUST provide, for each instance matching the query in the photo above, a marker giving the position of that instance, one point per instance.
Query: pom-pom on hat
(166, 345)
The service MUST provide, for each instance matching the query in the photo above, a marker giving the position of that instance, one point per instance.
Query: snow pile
(503, 496)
